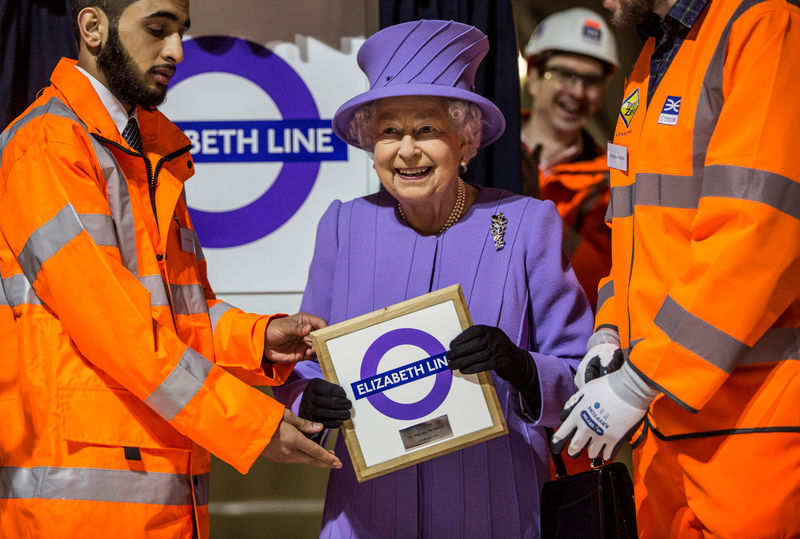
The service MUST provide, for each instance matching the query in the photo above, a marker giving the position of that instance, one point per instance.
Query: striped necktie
(132, 135)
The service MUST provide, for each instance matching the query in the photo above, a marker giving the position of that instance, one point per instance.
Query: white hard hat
(577, 30)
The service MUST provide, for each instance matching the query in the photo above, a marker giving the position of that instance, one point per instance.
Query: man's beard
(123, 76)
(632, 13)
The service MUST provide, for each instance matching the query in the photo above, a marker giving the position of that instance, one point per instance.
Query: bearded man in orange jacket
(703, 296)
(126, 371)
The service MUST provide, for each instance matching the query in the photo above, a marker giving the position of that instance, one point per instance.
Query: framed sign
(408, 406)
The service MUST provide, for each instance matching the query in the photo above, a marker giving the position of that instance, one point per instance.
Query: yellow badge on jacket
(629, 107)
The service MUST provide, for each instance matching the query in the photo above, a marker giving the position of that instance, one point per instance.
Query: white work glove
(603, 414)
(602, 357)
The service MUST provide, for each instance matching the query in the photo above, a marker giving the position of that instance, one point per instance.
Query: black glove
(596, 369)
(481, 348)
(324, 403)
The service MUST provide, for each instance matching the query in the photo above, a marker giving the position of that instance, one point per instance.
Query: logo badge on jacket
(629, 107)
(670, 111)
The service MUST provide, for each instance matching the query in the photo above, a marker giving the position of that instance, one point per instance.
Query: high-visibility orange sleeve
(745, 254)
(105, 310)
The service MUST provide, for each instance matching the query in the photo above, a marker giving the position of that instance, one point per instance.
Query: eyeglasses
(568, 77)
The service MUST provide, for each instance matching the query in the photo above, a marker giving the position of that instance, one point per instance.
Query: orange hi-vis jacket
(127, 371)
(587, 239)
(705, 283)
(580, 191)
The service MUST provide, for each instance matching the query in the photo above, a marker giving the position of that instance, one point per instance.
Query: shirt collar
(680, 18)
(113, 105)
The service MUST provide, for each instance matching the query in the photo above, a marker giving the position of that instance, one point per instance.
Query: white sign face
(404, 382)
(408, 406)
(267, 163)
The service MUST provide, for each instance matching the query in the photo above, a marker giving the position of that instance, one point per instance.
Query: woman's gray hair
(466, 118)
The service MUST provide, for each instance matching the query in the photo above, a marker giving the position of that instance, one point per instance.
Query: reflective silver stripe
(181, 385)
(3, 299)
(18, 291)
(119, 201)
(201, 488)
(605, 293)
(777, 344)
(721, 180)
(711, 98)
(100, 227)
(740, 183)
(662, 190)
(620, 203)
(198, 249)
(53, 106)
(92, 484)
(685, 191)
(666, 191)
(216, 312)
(48, 239)
(698, 336)
(118, 194)
(188, 299)
(158, 293)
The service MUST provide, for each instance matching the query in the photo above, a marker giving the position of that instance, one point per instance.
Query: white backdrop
(243, 97)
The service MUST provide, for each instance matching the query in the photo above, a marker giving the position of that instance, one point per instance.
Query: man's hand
(324, 402)
(480, 348)
(289, 444)
(603, 414)
(603, 356)
(287, 338)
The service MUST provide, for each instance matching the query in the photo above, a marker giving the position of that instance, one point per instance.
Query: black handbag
(597, 503)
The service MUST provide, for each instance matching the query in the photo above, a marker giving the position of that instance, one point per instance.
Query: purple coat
(365, 259)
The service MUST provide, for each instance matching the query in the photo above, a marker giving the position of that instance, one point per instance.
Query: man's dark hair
(112, 8)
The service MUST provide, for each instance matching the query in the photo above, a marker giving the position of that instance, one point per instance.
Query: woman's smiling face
(417, 150)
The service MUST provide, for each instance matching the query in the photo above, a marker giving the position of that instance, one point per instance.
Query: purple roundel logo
(442, 381)
(300, 139)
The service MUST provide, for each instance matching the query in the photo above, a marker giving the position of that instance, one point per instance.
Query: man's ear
(93, 27)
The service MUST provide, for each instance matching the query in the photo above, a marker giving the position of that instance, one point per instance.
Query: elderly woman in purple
(426, 230)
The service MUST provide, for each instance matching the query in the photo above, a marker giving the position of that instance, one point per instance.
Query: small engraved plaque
(434, 429)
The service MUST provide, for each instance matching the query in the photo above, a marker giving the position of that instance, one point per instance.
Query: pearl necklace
(455, 213)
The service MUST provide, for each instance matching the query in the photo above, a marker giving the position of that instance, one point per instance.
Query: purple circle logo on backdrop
(291, 96)
(441, 386)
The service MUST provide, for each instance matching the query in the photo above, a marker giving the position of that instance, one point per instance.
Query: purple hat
(436, 58)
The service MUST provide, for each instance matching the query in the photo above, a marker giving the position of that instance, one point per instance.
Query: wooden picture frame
(416, 409)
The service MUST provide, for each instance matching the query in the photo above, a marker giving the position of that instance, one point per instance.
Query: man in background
(571, 54)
